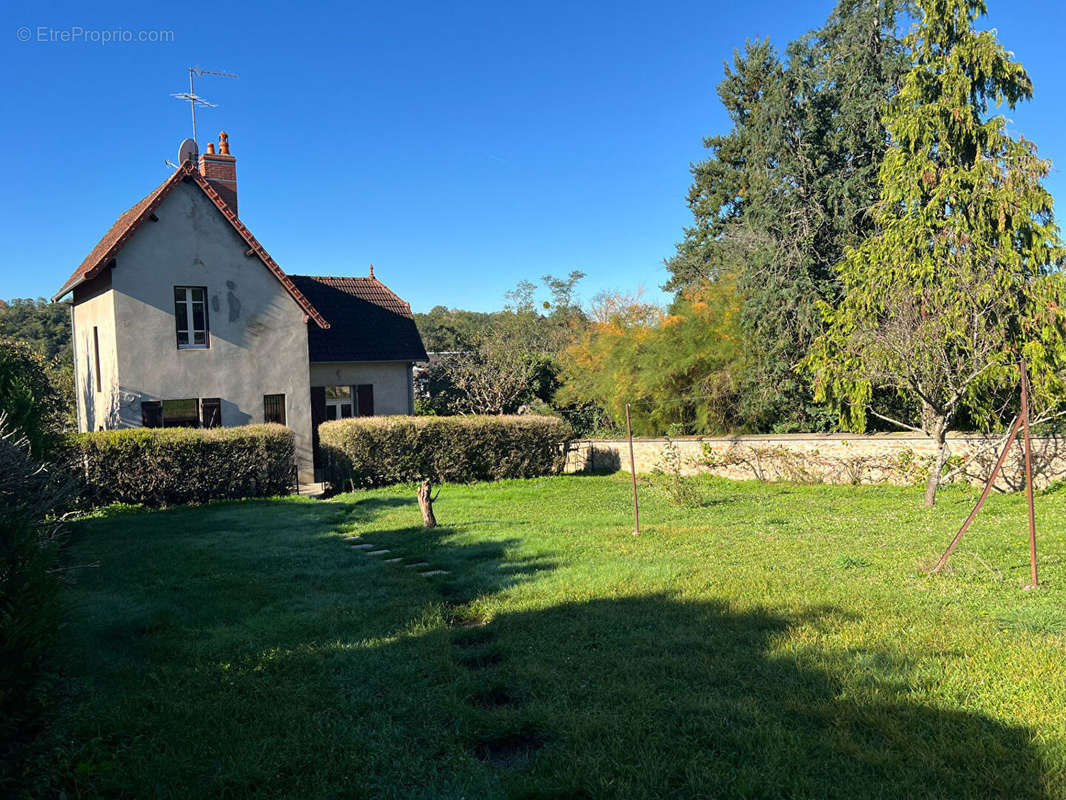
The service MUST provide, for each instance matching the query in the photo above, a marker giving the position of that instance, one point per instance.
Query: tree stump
(425, 502)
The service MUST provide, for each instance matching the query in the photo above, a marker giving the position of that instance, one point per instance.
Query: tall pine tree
(960, 278)
(785, 192)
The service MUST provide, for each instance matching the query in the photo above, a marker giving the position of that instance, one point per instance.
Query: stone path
(371, 549)
(513, 749)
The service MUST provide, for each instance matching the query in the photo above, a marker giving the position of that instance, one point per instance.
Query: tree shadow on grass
(299, 667)
(652, 697)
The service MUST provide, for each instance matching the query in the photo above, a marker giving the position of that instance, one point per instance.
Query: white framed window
(339, 403)
(190, 317)
(349, 401)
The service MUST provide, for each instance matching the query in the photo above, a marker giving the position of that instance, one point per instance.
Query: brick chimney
(220, 169)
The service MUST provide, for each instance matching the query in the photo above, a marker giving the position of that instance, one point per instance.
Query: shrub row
(170, 466)
(375, 451)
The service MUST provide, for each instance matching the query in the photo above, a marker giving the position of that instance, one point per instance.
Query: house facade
(181, 318)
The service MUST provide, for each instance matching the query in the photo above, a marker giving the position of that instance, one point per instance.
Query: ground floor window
(349, 401)
(339, 403)
(274, 408)
(181, 413)
(188, 413)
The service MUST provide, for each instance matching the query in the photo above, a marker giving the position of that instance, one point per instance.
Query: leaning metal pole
(633, 474)
(988, 488)
(1029, 473)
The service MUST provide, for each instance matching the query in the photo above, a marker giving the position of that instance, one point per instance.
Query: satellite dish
(188, 151)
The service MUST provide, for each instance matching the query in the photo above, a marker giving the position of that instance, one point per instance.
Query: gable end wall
(258, 334)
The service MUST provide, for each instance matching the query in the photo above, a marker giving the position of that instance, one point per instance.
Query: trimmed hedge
(375, 451)
(171, 466)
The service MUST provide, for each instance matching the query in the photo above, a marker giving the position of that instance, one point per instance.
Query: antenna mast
(194, 99)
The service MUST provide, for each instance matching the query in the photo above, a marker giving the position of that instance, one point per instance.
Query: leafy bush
(31, 402)
(29, 495)
(170, 466)
(669, 475)
(374, 451)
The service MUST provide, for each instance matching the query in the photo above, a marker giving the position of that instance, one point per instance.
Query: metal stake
(1029, 473)
(988, 488)
(633, 474)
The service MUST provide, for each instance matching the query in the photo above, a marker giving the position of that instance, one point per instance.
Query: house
(181, 318)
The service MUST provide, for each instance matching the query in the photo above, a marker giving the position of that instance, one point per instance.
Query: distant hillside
(45, 326)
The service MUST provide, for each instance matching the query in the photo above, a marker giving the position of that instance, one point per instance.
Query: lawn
(777, 641)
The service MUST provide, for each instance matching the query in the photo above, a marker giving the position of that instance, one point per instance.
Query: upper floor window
(190, 316)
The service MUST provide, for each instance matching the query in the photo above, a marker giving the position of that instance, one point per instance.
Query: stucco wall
(391, 381)
(94, 308)
(258, 336)
(830, 458)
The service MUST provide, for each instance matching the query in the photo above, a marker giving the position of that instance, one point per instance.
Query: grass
(777, 641)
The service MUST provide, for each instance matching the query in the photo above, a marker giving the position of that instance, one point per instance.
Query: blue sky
(460, 147)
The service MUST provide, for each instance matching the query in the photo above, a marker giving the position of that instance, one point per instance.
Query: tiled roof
(128, 224)
(368, 322)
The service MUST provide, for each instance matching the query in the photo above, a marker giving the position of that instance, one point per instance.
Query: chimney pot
(371, 270)
(220, 169)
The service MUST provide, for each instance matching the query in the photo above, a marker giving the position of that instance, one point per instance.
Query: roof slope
(368, 322)
(128, 224)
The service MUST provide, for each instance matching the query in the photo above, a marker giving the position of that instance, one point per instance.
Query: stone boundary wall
(896, 458)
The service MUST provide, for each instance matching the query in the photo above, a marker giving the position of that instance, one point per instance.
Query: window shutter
(318, 416)
(211, 412)
(365, 393)
(151, 414)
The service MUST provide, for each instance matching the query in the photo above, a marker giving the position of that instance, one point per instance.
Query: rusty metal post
(984, 494)
(633, 475)
(1028, 473)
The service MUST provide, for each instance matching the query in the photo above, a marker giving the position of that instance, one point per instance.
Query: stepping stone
(363, 546)
(375, 552)
(393, 560)
(352, 538)
(418, 565)
(432, 572)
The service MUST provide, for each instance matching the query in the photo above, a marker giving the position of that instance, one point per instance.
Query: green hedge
(375, 451)
(171, 466)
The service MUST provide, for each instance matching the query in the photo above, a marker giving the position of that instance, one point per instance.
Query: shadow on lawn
(652, 697)
(640, 696)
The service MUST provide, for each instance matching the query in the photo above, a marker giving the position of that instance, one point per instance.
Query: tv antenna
(194, 99)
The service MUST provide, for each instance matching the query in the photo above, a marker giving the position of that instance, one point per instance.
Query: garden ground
(777, 640)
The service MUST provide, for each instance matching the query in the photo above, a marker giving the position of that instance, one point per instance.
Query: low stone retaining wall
(897, 458)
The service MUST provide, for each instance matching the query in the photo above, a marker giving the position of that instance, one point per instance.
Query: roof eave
(407, 360)
(67, 290)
